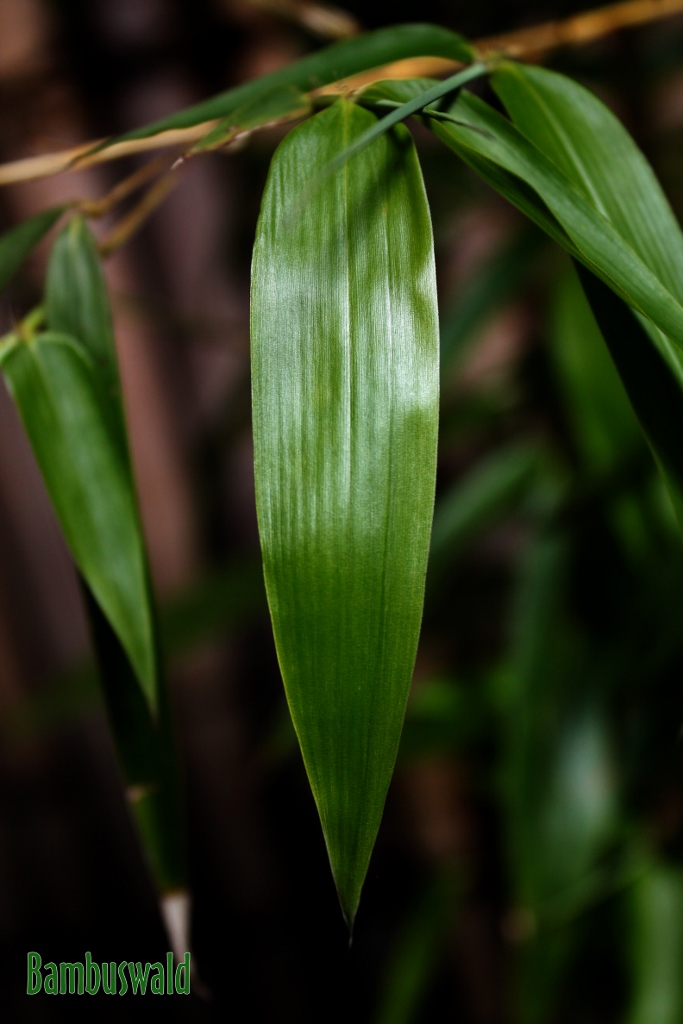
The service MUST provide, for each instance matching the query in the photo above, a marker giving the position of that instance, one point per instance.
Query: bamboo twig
(96, 208)
(133, 221)
(524, 43)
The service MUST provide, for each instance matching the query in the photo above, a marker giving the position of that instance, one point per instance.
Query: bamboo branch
(525, 43)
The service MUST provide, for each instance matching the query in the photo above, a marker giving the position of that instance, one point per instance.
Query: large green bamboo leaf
(513, 165)
(348, 57)
(592, 148)
(16, 244)
(345, 405)
(58, 389)
(575, 129)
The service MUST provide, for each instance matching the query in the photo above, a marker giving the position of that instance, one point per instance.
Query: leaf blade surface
(17, 243)
(58, 392)
(345, 395)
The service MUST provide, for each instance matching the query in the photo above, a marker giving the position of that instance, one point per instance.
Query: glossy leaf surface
(77, 303)
(513, 165)
(58, 390)
(345, 407)
(348, 57)
(571, 126)
(18, 242)
(591, 147)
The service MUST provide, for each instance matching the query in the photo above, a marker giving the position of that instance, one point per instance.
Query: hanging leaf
(508, 161)
(340, 60)
(603, 426)
(58, 390)
(654, 391)
(19, 242)
(345, 407)
(592, 148)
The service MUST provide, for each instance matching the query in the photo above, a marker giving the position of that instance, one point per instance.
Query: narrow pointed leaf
(501, 154)
(654, 391)
(345, 396)
(57, 388)
(575, 129)
(77, 301)
(285, 101)
(17, 243)
(603, 425)
(340, 60)
(592, 148)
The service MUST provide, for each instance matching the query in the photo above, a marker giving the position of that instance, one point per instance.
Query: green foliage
(345, 396)
(59, 394)
(345, 388)
(17, 244)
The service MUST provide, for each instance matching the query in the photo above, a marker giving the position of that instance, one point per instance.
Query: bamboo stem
(523, 43)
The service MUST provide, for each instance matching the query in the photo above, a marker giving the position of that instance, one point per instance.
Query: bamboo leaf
(501, 154)
(19, 242)
(652, 388)
(285, 101)
(593, 150)
(77, 302)
(412, 106)
(58, 390)
(602, 422)
(345, 408)
(340, 60)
